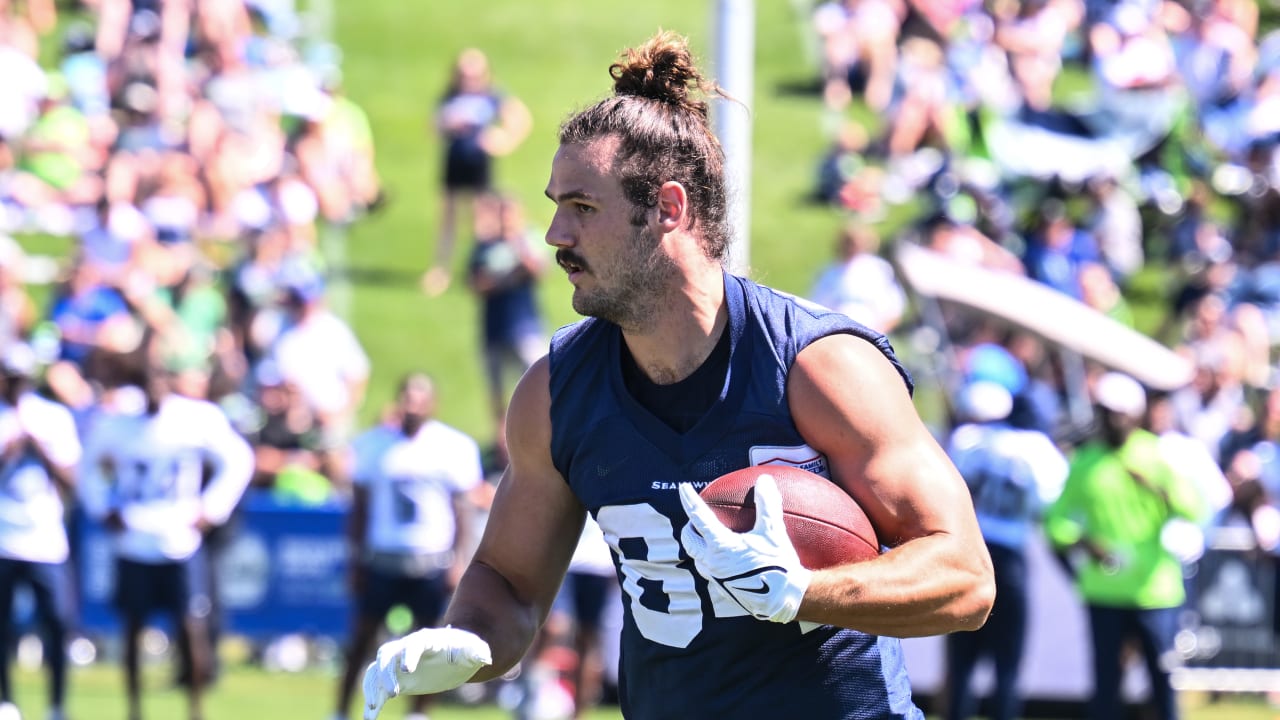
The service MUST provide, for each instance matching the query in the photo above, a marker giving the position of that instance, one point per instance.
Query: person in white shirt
(860, 283)
(317, 352)
(143, 476)
(411, 481)
(39, 450)
(1012, 474)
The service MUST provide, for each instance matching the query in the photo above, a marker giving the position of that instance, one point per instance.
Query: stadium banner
(282, 570)
(1230, 636)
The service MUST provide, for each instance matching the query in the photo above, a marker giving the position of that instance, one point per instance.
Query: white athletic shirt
(411, 484)
(150, 468)
(321, 356)
(31, 512)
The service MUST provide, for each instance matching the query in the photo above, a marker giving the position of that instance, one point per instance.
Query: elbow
(976, 602)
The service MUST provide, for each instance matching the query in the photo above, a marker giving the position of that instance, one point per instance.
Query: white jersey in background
(150, 468)
(412, 483)
(1013, 474)
(31, 512)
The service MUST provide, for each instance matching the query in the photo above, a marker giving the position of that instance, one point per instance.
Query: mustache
(565, 258)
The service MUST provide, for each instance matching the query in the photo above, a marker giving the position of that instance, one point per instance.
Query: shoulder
(849, 363)
(529, 412)
(576, 345)
(794, 324)
(533, 392)
(45, 409)
(371, 439)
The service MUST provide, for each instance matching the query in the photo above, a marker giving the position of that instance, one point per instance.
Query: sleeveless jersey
(688, 650)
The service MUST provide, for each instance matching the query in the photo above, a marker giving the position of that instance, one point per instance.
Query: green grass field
(243, 694)
(247, 693)
(553, 56)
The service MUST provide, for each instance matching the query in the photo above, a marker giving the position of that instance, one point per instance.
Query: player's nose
(558, 234)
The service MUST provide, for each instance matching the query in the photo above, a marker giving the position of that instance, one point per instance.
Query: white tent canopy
(1057, 318)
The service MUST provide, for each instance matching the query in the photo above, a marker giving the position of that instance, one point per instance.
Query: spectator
(292, 456)
(142, 476)
(845, 179)
(18, 311)
(1212, 404)
(1190, 457)
(24, 88)
(477, 124)
(859, 50)
(505, 266)
(407, 521)
(58, 163)
(1013, 475)
(317, 352)
(1038, 404)
(922, 116)
(84, 310)
(1099, 291)
(964, 243)
(1251, 456)
(1131, 51)
(1116, 226)
(39, 451)
(1057, 250)
(860, 283)
(1119, 494)
(1034, 35)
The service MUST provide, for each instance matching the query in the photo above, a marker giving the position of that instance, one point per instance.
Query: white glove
(758, 569)
(428, 661)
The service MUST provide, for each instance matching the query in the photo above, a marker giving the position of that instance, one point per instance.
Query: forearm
(928, 586)
(487, 605)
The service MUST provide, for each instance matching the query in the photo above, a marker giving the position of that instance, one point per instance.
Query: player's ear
(673, 206)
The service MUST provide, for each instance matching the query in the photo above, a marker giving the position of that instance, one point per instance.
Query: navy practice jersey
(689, 650)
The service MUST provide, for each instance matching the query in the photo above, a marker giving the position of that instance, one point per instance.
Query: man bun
(662, 69)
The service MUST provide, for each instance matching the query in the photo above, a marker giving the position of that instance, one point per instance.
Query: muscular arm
(849, 403)
(533, 527)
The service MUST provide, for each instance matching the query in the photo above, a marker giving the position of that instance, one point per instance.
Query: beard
(636, 281)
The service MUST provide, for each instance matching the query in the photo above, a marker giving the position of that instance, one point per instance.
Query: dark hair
(663, 126)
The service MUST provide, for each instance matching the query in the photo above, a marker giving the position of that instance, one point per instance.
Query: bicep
(535, 520)
(850, 404)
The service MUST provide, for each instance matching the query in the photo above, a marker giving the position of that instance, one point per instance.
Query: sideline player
(39, 450)
(408, 520)
(141, 475)
(680, 374)
(1013, 475)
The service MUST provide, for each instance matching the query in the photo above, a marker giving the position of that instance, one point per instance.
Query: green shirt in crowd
(1104, 503)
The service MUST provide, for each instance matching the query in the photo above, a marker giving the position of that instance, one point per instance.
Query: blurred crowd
(190, 150)
(1125, 154)
(1121, 153)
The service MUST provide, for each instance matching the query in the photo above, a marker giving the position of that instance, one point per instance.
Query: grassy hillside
(553, 56)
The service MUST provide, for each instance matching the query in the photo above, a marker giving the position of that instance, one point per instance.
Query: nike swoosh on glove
(759, 568)
(428, 661)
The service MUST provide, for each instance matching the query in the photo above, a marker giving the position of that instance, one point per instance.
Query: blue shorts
(180, 589)
(425, 596)
(588, 594)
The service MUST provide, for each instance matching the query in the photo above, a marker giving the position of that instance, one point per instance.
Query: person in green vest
(1110, 521)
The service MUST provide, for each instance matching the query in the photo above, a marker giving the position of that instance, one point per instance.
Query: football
(826, 526)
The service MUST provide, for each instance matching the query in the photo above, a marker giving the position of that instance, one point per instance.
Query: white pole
(735, 25)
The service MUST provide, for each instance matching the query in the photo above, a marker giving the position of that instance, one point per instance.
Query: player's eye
(584, 209)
